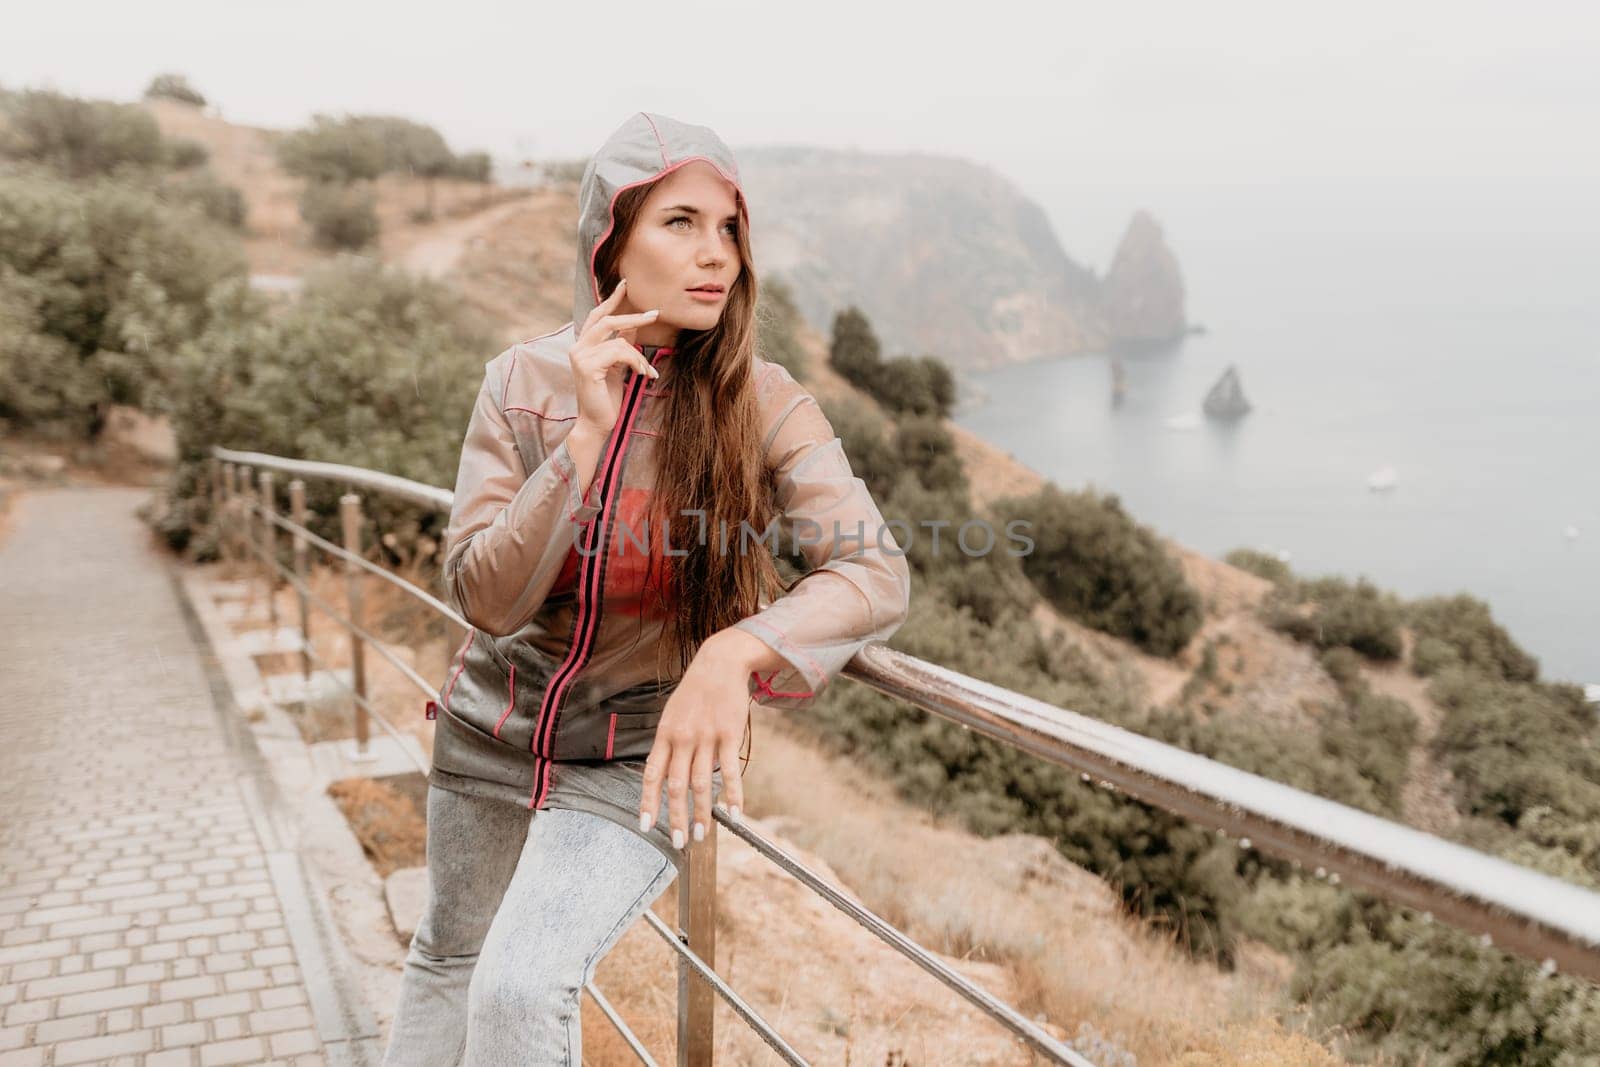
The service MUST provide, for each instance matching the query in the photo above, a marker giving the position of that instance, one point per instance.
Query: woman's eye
(732, 228)
(677, 219)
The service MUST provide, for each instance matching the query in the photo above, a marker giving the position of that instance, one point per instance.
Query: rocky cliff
(1141, 297)
(947, 257)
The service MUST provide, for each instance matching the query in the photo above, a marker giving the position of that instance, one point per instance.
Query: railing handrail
(1522, 910)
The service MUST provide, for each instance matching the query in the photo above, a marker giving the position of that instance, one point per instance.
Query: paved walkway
(143, 898)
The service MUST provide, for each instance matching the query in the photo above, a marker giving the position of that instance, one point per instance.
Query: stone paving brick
(98, 1048)
(294, 1042)
(245, 1050)
(139, 924)
(227, 1004)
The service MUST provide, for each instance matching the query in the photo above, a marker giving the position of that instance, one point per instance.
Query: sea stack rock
(1226, 398)
(1141, 297)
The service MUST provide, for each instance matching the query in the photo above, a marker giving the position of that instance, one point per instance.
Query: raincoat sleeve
(859, 589)
(509, 531)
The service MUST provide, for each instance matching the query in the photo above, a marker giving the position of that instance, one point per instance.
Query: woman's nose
(712, 253)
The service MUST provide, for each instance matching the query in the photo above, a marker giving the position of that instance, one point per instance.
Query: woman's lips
(710, 296)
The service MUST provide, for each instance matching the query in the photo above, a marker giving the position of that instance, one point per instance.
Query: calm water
(1385, 332)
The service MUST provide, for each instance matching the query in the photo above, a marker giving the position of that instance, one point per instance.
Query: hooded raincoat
(560, 664)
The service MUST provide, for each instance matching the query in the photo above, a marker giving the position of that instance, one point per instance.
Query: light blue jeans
(521, 907)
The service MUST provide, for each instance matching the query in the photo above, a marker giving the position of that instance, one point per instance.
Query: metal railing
(1523, 911)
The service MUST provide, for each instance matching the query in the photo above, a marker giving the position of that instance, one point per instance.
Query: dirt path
(435, 250)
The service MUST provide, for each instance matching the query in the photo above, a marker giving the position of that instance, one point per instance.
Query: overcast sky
(1096, 110)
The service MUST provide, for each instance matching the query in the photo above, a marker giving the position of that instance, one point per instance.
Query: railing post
(269, 552)
(214, 480)
(350, 518)
(298, 516)
(697, 918)
(229, 525)
(247, 520)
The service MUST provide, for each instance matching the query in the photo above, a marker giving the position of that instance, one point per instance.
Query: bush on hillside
(1262, 565)
(174, 87)
(1461, 630)
(340, 216)
(205, 193)
(1166, 870)
(79, 138)
(184, 154)
(918, 385)
(369, 366)
(923, 444)
(100, 283)
(1331, 612)
(779, 321)
(332, 150)
(1097, 565)
(354, 147)
(1512, 747)
(472, 167)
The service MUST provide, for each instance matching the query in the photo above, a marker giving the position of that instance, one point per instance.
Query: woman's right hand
(600, 362)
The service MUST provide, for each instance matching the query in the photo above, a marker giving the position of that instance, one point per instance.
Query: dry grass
(1074, 957)
(392, 831)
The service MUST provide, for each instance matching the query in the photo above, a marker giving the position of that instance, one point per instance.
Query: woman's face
(684, 237)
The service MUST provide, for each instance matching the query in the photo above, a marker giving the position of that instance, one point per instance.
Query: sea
(1442, 336)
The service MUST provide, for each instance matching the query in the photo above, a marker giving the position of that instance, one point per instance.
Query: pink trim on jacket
(585, 629)
(511, 701)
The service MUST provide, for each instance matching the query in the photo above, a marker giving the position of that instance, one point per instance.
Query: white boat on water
(1383, 479)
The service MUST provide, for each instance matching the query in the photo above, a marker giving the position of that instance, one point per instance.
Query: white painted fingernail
(677, 839)
(644, 822)
(699, 832)
(653, 311)
(733, 813)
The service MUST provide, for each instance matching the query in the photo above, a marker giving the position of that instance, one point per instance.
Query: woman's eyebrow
(686, 209)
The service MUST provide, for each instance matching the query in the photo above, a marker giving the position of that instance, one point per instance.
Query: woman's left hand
(702, 725)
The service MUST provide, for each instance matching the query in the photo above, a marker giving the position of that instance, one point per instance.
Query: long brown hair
(710, 460)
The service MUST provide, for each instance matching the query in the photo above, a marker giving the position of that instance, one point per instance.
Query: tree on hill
(79, 138)
(173, 87)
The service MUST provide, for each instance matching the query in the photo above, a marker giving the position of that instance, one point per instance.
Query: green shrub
(184, 154)
(79, 138)
(779, 327)
(340, 216)
(174, 87)
(350, 148)
(1515, 746)
(917, 385)
(472, 166)
(1463, 625)
(333, 150)
(101, 283)
(1165, 869)
(1262, 565)
(1430, 655)
(1097, 565)
(923, 444)
(1418, 991)
(853, 350)
(214, 199)
(1332, 612)
(1344, 667)
(369, 366)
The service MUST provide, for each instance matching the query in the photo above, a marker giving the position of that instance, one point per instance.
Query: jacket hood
(644, 148)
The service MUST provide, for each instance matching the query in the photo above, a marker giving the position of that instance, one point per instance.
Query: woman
(606, 545)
